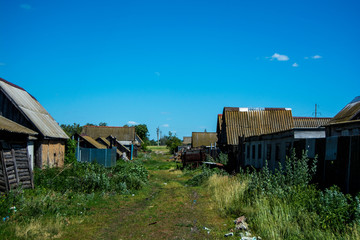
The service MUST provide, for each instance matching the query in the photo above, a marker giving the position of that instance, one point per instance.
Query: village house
(124, 138)
(204, 139)
(239, 123)
(17, 105)
(306, 134)
(342, 160)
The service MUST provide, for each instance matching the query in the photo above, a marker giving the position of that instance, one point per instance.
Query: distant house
(15, 161)
(186, 140)
(19, 106)
(342, 160)
(206, 139)
(239, 123)
(125, 137)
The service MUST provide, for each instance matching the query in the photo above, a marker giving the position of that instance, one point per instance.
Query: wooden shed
(15, 161)
(19, 106)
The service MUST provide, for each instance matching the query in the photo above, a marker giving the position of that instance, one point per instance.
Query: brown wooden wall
(50, 153)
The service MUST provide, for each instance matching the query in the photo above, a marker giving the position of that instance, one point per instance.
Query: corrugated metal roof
(203, 139)
(219, 123)
(310, 122)
(249, 122)
(349, 112)
(13, 127)
(93, 142)
(121, 133)
(186, 140)
(104, 140)
(33, 110)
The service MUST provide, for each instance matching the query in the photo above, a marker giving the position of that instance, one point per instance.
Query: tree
(173, 142)
(70, 130)
(103, 124)
(142, 131)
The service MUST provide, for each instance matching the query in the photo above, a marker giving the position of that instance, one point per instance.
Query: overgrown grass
(284, 205)
(64, 195)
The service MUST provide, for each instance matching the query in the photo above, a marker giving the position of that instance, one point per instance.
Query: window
(259, 151)
(253, 151)
(277, 152)
(268, 152)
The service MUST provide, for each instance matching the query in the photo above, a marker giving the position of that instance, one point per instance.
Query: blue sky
(176, 64)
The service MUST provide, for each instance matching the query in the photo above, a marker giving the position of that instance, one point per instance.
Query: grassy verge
(284, 205)
(65, 196)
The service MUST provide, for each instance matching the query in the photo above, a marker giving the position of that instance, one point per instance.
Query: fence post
(132, 149)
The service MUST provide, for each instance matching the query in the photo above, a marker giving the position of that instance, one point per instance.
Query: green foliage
(285, 205)
(142, 131)
(204, 174)
(222, 158)
(173, 142)
(70, 151)
(70, 130)
(88, 178)
(103, 124)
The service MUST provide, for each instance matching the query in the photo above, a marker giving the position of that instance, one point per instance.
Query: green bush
(92, 177)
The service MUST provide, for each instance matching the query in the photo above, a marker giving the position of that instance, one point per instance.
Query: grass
(167, 208)
(271, 217)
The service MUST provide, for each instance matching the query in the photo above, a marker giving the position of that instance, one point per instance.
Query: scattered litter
(6, 218)
(133, 195)
(207, 229)
(194, 201)
(152, 223)
(13, 208)
(165, 183)
(240, 223)
(229, 234)
(249, 238)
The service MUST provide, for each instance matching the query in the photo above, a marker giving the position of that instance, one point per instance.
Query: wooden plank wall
(15, 168)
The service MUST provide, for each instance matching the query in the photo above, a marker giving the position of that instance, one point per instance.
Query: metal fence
(105, 157)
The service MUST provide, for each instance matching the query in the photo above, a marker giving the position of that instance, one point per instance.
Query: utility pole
(315, 110)
(157, 132)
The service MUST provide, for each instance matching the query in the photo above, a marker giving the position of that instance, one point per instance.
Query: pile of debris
(242, 226)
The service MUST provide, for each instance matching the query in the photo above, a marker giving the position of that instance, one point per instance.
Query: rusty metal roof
(32, 110)
(92, 141)
(13, 127)
(121, 133)
(310, 122)
(254, 122)
(350, 112)
(203, 139)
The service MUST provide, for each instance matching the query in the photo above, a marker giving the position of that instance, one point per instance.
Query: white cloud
(295, 65)
(25, 6)
(306, 57)
(316, 57)
(165, 113)
(157, 74)
(132, 123)
(165, 125)
(279, 57)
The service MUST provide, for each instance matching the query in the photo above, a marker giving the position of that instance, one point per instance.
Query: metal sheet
(33, 110)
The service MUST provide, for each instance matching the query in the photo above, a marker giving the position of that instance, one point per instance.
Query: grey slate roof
(33, 110)
(13, 127)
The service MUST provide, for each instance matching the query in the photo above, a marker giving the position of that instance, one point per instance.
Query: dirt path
(166, 209)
